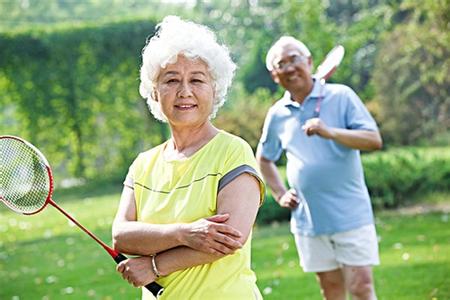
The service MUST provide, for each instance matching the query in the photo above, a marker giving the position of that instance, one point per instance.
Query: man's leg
(332, 284)
(359, 282)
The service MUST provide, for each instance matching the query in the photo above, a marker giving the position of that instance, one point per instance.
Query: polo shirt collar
(315, 93)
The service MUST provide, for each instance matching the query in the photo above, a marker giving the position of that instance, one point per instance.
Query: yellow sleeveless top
(186, 190)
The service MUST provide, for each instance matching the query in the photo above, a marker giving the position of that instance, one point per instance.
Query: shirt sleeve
(357, 116)
(240, 159)
(129, 179)
(270, 144)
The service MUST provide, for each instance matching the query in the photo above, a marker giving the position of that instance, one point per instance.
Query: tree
(411, 75)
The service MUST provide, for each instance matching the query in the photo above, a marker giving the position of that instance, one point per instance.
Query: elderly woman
(188, 205)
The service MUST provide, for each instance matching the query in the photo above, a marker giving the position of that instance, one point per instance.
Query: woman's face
(185, 92)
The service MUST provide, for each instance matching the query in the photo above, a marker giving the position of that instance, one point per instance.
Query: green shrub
(396, 176)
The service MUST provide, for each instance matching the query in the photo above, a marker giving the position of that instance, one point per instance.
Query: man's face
(292, 69)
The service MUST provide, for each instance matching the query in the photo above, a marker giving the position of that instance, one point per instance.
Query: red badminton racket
(26, 186)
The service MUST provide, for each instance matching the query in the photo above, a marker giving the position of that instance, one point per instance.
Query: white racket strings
(24, 179)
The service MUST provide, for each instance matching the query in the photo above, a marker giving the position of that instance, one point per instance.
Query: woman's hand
(211, 235)
(137, 271)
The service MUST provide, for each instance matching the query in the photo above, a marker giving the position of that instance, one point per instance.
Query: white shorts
(357, 247)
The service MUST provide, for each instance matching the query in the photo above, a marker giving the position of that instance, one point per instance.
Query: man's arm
(352, 138)
(284, 197)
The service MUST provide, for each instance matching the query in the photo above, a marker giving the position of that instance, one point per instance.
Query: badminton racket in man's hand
(26, 186)
(330, 63)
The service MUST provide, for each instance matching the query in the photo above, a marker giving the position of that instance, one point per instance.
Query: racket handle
(153, 287)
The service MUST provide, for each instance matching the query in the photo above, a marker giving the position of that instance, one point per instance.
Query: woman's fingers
(218, 218)
(227, 229)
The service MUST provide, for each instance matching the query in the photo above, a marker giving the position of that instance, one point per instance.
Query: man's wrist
(279, 195)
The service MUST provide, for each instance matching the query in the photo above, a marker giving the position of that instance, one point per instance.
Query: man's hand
(137, 271)
(289, 199)
(318, 127)
(211, 235)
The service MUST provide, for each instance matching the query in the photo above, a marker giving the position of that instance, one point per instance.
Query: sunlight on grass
(44, 256)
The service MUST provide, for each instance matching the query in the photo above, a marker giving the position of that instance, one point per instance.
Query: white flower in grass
(279, 261)
(405, 256)
(51, 279)
(267, 290)
(60, 263)
(68, 290)
(24, 225)
(398, 246)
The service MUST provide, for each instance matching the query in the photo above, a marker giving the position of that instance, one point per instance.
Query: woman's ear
(154, 95)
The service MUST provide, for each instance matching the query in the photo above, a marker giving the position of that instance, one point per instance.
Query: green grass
(45, 257)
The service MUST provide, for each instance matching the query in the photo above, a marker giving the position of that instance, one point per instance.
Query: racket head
(330, 63)
(26, 181)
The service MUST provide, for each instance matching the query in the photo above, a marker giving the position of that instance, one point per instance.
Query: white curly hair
(173, 37)
(282, 42)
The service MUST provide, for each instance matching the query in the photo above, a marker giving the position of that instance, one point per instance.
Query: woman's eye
(173, 80)
(196, 80)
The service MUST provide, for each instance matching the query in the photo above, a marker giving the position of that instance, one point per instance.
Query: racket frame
(153, 287)
(329, 65)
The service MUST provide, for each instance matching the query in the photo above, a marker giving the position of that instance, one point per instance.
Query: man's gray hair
(284, 41)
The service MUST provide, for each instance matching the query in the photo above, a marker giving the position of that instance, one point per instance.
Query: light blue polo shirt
(327, 174)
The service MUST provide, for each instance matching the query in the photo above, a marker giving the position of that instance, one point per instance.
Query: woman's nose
(184, 90)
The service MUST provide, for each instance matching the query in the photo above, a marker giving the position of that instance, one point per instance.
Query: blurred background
(69, 77)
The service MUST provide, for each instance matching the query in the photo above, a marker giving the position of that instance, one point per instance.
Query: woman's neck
(186, 141)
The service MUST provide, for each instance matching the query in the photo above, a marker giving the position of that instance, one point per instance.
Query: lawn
(46, 257)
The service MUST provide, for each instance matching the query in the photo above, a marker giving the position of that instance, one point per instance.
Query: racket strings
(24, 180)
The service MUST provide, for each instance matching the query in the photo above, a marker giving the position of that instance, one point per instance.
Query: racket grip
(153, 287)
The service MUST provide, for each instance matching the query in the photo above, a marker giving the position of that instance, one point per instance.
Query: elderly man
(322, 128)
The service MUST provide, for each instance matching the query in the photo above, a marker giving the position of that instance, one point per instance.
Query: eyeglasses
(291, 61)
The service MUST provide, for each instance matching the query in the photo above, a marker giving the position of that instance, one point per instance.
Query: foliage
(69, 76)
(411, 75)
(243, 115)
(45, 256)
(74, 92)
(396, 176)
(24, 14)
